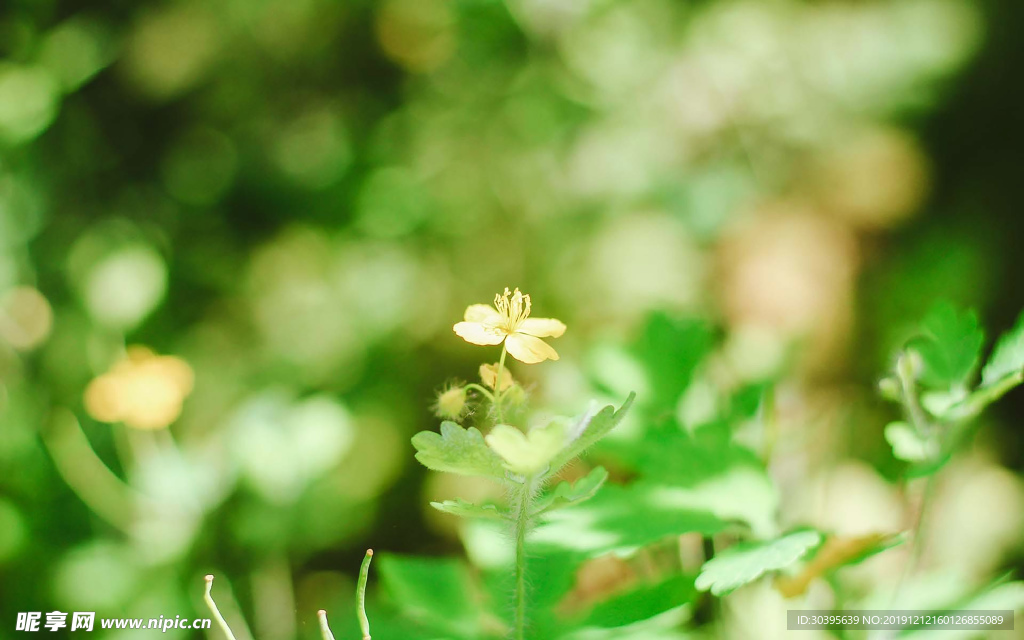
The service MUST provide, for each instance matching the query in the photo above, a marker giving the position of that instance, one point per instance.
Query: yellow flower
(509, 321)
(489, 376)
(143, 390)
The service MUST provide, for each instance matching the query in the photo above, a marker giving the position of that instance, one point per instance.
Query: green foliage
(1007, 358)
(906, 444)
(670, 350)
(464, 509)
(439, 593)
(642, 603)
(458, 450)
(590, 430)
(949, 346)
(296, 198)
(747, 562)
(621, 518)
(939, 416)
(565, 494)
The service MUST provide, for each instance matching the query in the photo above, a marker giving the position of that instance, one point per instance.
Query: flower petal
(528, 349)
(479, 333)
(542, 327)
(483, 313)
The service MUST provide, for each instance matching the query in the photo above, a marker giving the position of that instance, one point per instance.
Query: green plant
(680, 475)
(935, 380)
(523, 461)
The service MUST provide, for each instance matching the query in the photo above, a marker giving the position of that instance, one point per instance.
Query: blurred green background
(296, 199)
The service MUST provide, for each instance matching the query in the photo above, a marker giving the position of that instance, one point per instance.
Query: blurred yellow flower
(526, 453)
(142, 390)
(508, 320)
(489, 376)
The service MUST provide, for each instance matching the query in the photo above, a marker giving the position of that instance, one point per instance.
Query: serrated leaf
(590, 430)
(745, 563)
(457, 450)
(835, 553)
(906, 444)
(464, 509)
(1008, 356)
(564, 494)
(949, 346)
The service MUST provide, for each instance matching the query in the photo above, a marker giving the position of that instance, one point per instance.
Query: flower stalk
(221, 622)
(364, 572)
(325, 629)
(498, 392)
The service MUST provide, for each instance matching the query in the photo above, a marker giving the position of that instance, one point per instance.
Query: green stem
(973, 404)
(97, 486)
(364, 572)
(215, 611)
(522, 524)
(325, 629)
(915, 412)
(916, 532)
(924, 428)
(497, 384)
(482, 389)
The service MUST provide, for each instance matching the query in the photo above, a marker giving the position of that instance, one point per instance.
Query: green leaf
(835, 553)
(1008, 356)
(671, 350)
(564, 494)
(461, 508)
(590, 430)
(906, 444)
(620, 518)
(642, 603)
(710, 474)
(457, 450)
(950, 346)
(745, 563)
(437, 592)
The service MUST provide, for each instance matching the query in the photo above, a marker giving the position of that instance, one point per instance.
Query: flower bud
(889, 388)
(489, 376)
(451, 403)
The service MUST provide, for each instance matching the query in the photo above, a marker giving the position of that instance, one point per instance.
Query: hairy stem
(524, 496)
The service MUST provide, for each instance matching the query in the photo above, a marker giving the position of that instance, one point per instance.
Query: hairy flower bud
(451, 403)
